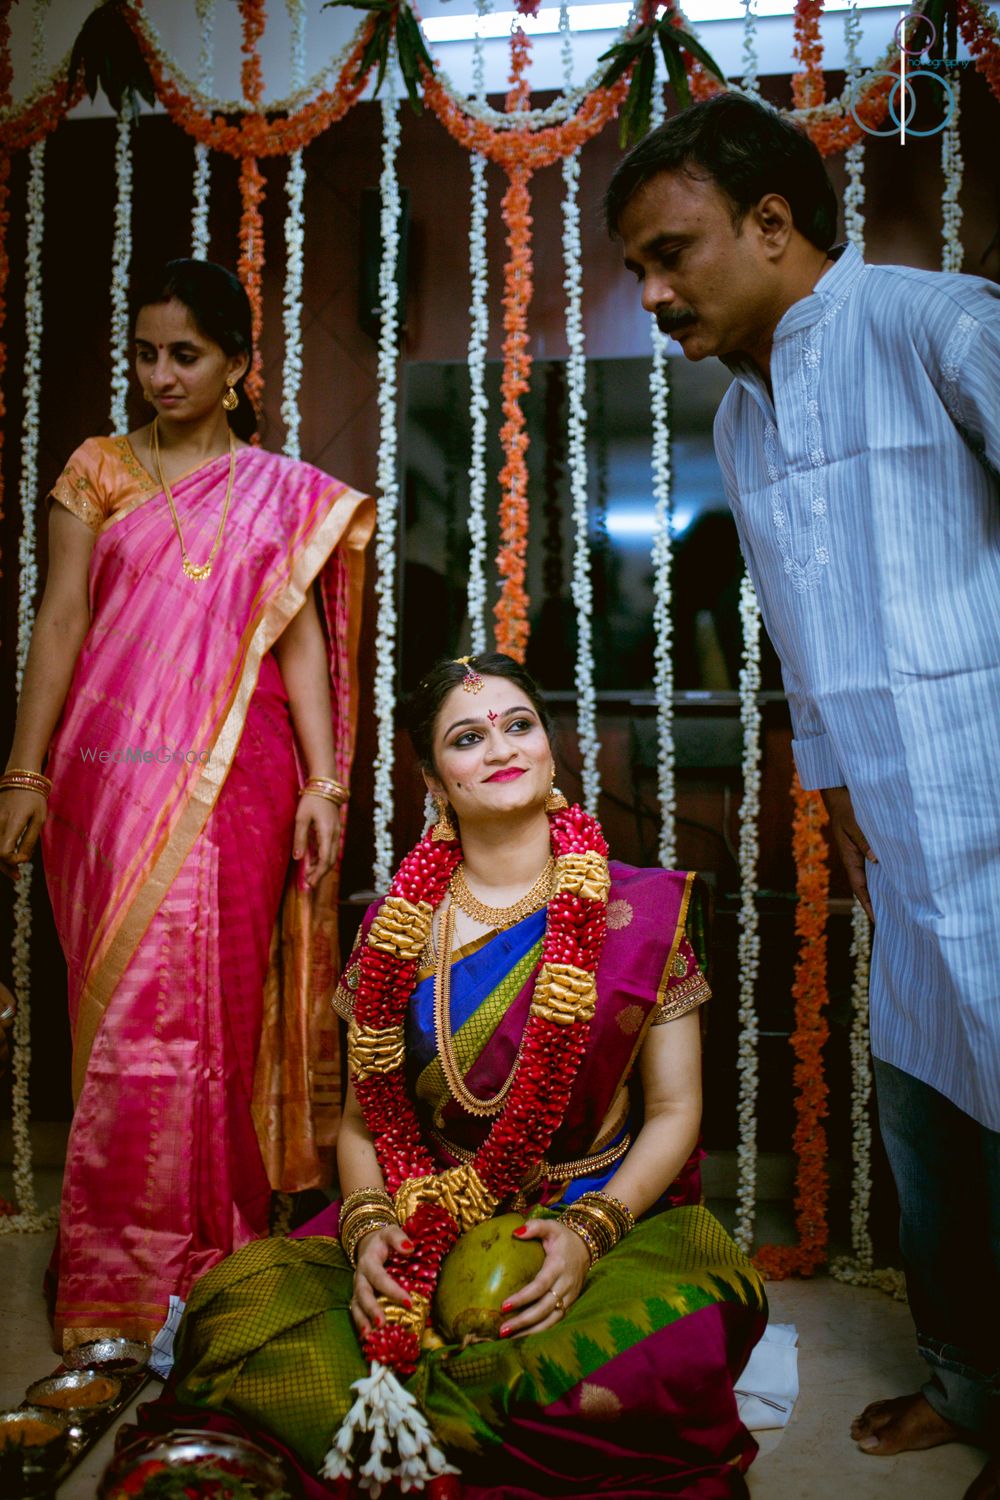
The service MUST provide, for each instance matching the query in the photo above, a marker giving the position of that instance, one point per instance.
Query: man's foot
(986, 1485)
(902, 1424)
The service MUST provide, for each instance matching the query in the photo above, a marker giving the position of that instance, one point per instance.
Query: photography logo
(913, 44)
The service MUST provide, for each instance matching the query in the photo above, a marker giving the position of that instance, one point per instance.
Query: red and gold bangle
(25, 781)
(325, 786)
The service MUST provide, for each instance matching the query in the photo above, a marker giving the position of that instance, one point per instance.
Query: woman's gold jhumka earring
(230, 400)
(444, 829)
(555, 801)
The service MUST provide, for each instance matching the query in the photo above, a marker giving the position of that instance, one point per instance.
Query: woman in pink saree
(191, 694)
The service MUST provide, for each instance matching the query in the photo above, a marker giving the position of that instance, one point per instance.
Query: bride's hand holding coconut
(557, 1285)
(371, 1280)
(508, 1265)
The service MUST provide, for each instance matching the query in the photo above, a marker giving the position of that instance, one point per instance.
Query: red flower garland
(549, 1060)
(809, 990)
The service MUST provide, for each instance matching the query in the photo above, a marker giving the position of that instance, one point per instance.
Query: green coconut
(484, 1268)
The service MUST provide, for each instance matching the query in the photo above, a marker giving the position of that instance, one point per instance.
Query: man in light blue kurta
(867, 500)
(860, 449)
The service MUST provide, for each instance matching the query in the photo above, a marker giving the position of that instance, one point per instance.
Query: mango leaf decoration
(638, 53)
(391, 16)
(110, 58)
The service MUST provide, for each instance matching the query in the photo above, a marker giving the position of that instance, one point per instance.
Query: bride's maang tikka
(472, 681)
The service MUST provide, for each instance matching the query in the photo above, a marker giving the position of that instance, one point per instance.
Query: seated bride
(524, 1049)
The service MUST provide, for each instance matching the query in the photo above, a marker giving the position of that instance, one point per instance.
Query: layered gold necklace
(502, 917)
(197, 571)
(499, 917)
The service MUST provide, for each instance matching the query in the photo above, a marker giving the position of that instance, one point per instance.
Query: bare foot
(902, 1424)
(986, 1485)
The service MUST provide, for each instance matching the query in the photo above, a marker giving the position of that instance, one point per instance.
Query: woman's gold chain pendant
(197, 571)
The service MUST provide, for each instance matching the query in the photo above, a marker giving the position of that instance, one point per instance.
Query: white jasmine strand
(387, 502)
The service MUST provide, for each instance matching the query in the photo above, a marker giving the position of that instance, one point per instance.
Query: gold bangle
(600, 1220)
(365, 1195)
(312, 791)
(619, 1213)
(325, 786)
(365, 1211)
(584, 1234)
(26, 781)
(21, 771)
(361, 1224)
(598, 1226)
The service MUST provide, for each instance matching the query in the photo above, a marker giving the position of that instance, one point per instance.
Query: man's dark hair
(748, 149)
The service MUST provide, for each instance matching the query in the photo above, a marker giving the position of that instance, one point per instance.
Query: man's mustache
(669, 322)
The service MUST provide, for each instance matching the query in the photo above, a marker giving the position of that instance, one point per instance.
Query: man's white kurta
(867, 498)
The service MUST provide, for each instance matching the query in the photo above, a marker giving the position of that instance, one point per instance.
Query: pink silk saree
(204, 1063)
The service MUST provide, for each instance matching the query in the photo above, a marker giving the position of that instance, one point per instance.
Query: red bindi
(492, 716)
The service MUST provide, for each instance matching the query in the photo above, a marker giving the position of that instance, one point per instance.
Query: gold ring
(557, 1300)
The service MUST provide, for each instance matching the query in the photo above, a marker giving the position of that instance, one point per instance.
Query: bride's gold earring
(443, 829)
(230, 400)
(555, 801)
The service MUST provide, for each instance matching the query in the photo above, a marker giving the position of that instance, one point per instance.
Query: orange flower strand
(703, 84)
(811, 852)
(982, 37)
(808, 86)
(256, 135)
(254, 16)
(838, 129)
(523, 148)
(519, 94)
(41, 116)
(250, 267)
(511, 609)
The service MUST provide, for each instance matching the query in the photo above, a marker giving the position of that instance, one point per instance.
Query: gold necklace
(457, 1087)
(198, 571)
(502, 917)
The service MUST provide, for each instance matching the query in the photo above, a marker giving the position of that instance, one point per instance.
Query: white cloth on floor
(769, 1384)
(161, 1360)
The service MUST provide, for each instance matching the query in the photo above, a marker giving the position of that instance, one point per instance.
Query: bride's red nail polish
(522, 1229)
(504, 1333)
(407, 1245)
(505, 1307)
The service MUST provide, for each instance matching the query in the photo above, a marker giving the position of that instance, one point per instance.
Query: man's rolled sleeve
(816, 762)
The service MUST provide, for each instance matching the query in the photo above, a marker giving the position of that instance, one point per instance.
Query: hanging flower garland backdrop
(521, 141)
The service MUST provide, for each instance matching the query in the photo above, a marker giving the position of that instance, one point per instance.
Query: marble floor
(855, 1346)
